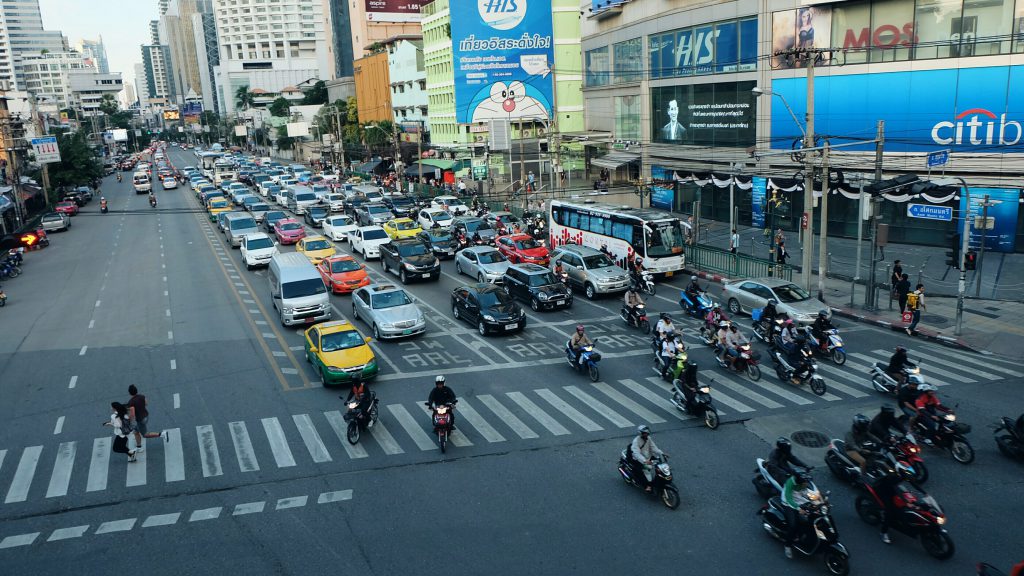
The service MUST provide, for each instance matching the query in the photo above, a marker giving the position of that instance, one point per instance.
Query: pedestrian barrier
(709, 258)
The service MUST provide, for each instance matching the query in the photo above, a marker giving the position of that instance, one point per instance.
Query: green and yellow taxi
(338, 351)
(217, 206)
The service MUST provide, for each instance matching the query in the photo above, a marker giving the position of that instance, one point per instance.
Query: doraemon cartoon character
(508, 101)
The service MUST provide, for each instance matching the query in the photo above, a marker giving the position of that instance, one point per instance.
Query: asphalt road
(255, 478)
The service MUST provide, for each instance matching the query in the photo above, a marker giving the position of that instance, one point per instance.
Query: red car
(67, 207)
(343, 274)
(522, 248)
(289, 231)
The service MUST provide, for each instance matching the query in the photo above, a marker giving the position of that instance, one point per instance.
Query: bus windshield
(664, 239)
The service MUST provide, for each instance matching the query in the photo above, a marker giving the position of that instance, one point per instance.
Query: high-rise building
(141, 86)
(95, 51)
(162, 6)
(46, 76)
(176, 27)
(270, 45)
(88, 87)
(204, 30)
(159, 83)
(21, 35)
(373, 22)
(129, 95)
(338, 29)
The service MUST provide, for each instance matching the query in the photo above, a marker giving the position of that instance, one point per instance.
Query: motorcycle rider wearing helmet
(733, 340)
(441, 395)
(885, 424)
(675, 369)
(642, 452)
(636, 270)
(859, 441)
(795, 494)
(789, 338)
(668, 353)
(632, 300)
(692, 291)
(714, 318)
(928, 406)
(722, 340)
(896, 363)
(884, 481)
(821, 324)
(360, 395)
(906, 398)
(578, 341)
(664, 328)
(689, 382)
(769, 313)
(781, 461)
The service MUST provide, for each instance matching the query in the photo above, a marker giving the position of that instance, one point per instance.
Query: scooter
(948, 435)
(829, 347)
(1009, 436)
(587, 362)
(358, 421)
(762, 330)
(886, 384)
(700, 407)
(745, 363)
(636, 318)
(766, 484)
(441, 417)
(698, 308)
(661, 485)
(645, 283)
(675, 367)
(803, 372)
(818, 532)
(917, 515)
(103, 207)
(849, 471)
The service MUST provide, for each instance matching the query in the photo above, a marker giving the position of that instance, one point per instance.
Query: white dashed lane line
(73, 382)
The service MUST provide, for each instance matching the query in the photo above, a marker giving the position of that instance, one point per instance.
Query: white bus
(223, 169)
(207, 160)
(655, 235)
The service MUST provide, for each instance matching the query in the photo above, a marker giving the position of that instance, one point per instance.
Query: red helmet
(579, 328)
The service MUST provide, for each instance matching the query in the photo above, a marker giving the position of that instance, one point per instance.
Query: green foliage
(243, 97)
(316, 95)
(79, 164)
(279, 107)
(284, 141)
(109, 105)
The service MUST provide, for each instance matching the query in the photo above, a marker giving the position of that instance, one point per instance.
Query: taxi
(316, 248)
(217, 206)
(399, 228)
(342, 274)
(338, 351)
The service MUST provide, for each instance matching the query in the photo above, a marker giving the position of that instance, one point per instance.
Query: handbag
(908, 316)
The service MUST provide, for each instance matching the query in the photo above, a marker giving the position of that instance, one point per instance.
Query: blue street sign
(940, 158)
(930, 212)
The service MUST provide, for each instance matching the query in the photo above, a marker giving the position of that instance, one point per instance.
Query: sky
(124, 25)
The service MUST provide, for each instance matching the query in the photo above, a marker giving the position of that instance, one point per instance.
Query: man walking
(915, 303)
(139, 417)
(902, 289)
(734, 241)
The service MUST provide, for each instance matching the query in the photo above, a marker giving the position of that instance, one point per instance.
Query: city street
(256, 475)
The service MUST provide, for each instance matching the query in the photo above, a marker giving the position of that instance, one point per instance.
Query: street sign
(46, 149)
(940, 158)
(479, 172)
(930, 212)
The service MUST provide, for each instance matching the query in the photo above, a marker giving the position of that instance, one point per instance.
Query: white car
(335, 202)
(428, 216)
(257, 250)
(367, 240)
(338, 227)
(450, 203)
(169, 183)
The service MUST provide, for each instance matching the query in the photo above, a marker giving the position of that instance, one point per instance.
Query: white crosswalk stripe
(278, 443)
(337, 423)
(883, 357)
(456, 436)
(385, 440)
(208, 451)
(136, 471)
(834, 373)
(247, 461)
(653, 397)
(570, 412)
(987, 362)
(778, 388)
(645, 414)
(174, 456)
(599, 407)
(311, 438)
(953, 365)
(62, 466)
(423, 440)
(18, 491)
(99, 464)
(726, 381)
(506, 416)
(486, 430)
(537, 414)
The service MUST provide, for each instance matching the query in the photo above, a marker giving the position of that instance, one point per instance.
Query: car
(264, 187)
(373, 214)
(450, 204)
(488, 307)
(77, 197)
(590, 270)
(523, 248)
(315, 216)
(502, 221)
(401, 205)
(338, 352)
(337, 227)
(388, 310)
(537, 285)
(249, 200)
(353, 202)
(85, 191)
(271, 218)
(398, 228)
(751, 293)
(335, 202)
(222, 219)
(218, 206)
(484, 263)
(467, 226)
(430, 216)
(289, 231)
(169, 183)
(259, 210)
(55, 222)
(440, 241)
(342, 274)
(366, 240)
(211, 195)
(257, 250)
(66, 207)
(410, 258)
(316, 248)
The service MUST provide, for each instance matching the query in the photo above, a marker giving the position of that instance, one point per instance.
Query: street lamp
(758, 91)
(964, 245)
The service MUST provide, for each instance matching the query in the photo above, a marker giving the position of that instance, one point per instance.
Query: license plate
(512, 326)
(669, 273)
(407, 332)
(425, 275)
(308, 320)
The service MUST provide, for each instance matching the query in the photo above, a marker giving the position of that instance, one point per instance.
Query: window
(984, 26)
(596, 65)
(628, 63)
(937, 25)
(727, 47)
(627, 117)
(1018, 28)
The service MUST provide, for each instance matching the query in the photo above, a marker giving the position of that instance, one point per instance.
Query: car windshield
(291, 226)
(341, 341)
(476, 225)
(413, 249)
(242, 223)
(545, 279)
(508, 219)
(250, 200)
(791, 293)
(300, 288)
(340, 221)
(494, 298)
(664, 239)
(376, 209)
(317, 212)
(317, 245)
(259, 244)
(527, 244)
(344, 266)
(441, 216)
(275, 215)
(335, 197)
(491, 257)
(305, 197)
(389, 300)
(597, 261)
(374, 235)
(439, 236)
(218, 204)
(406, 225)
(259, 208)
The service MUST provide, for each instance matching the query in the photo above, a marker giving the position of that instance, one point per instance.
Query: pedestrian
(119, 422)
(780, 254)
(915, 303)
(140, 417)
(734, 241)
(897, 274)
(780, 238)
(902, 290)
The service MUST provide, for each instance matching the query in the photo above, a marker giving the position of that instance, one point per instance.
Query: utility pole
(554, 136)
(808, 230)
(869, 294)
(823, 232)
(419, 153)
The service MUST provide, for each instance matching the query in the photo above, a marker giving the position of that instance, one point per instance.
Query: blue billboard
(758, 201)
(1002, 209)
(979, 110)
(503, 55)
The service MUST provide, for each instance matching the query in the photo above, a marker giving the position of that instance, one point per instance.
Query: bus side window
(638, 238)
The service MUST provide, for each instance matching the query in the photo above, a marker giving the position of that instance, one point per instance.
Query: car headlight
(287, 310)
(334, 369)
(488, 317)
(542, 296)
(408, 266)
(420, 318)
(387, 325)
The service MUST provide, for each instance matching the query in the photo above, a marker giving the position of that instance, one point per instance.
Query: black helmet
(823, 313)
(784, 444)
(665, 316)
(801, 477)
(773, 302)
(889, 411)
(861, 422)
(900, 348)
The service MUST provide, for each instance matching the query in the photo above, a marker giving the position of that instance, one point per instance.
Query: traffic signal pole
(965, 236)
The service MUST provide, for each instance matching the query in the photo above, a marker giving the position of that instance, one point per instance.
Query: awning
(613, 160)
(5, 204)
(369, 167)
(429, 165)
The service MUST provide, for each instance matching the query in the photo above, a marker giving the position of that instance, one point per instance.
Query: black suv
(410, 258)
(538, 285)
(401, 206)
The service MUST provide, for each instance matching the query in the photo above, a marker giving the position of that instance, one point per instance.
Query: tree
(284, 141)
(78, 162)
(316, 95)
(109, 105)
(379, 134)
(243, 98)
(279, 107)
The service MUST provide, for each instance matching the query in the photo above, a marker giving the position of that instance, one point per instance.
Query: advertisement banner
(1002, 238)
(800, 29)
(758, 201)
(172, 115)
(192, 112)
(393, 10)
(503, 53)
(297, 129)
(663, 193)
(704, 114)
(954, 109)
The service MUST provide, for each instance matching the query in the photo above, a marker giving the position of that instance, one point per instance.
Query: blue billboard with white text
(503, 55)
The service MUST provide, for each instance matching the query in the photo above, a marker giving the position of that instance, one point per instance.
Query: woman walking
(119, 422)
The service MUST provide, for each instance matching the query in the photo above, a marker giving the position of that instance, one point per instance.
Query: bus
(224, 169)
(655, 235)
(207, 160)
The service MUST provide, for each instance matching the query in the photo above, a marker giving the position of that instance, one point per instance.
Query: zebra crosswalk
(246, 447)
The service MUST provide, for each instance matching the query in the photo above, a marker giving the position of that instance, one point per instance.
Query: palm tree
(243, 98)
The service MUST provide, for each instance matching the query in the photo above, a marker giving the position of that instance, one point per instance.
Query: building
(338, 32)
(88, 88)
(46, 76)
(141, 86)
(373, 22)
(408, 82)
(159, 82)
(178, 33)
(270, 45)
(204, 30)
(373, 87)
(22, 35)
(95, 54)
(130, 99)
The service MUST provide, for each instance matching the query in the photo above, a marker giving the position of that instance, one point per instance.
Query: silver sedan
(747, 295)
(484, 263)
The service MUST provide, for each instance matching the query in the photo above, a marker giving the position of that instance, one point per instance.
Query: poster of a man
(673, 130)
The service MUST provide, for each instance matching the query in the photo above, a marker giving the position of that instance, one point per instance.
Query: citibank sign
(978, 127)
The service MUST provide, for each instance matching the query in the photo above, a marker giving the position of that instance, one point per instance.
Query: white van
(141, 182)
(297, 290)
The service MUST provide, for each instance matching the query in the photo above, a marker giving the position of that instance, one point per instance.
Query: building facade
(159, 81)
(338, 32)
(204, 30)
(22, 35)
(46, 76)
(95, 52)
(373, 87)
(177, 25)
(374, 21)
(408, 83)
(88, 88)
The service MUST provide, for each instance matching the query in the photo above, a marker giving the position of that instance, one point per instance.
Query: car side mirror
(275, 295)
(313, 349)
(367, 339)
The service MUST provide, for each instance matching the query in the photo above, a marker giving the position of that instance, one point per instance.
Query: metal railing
(711, 259)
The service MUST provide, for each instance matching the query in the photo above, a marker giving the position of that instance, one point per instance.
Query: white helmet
(439, 379)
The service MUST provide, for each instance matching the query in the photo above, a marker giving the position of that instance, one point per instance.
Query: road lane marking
(293, 502)
(205, 514)
(66, 533)
(82, 351)
(161, 520)
(62, 466)
(423, 440)
(506, 416)
(73, 382)
(97, 304)
(174, 364)
(482, 426)
(167, 312)
(174, 458)
(653, 398)
(455, 437)
(337, 423)
(99, 465)
(384, 439)
(537, 414)
(116, 526)
(22, 481)
(570, 412)
(247, 461)
(311, 438)
(92, 323)
(599, 407)
(170, 335)
(177, 400)
(278, 443)
(337, 496)
(208, 451)
(728, 383)
(19, 540)
(628, 404)
(136, 473)
(60, 426)
(248, 508)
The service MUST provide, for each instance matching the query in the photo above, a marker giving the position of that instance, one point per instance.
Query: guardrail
(711, 259)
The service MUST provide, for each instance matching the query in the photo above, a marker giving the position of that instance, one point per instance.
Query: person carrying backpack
(915, 303)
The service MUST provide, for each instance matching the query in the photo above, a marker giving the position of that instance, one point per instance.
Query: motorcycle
(830, 347)
(441, 417)
(700, 407)
(661, 485)
(817, 532)
(587, 362)
(3, 298)
(1009, 437)
(768, 486)
(986, 569)
(152, 201)
(637, 317)
(884, 455)
(745, 363)
(885, 383)
(697, 308)
(9, 270)
(918, 516)
(563, 277)
(709, 333)
(14, 255)
(358, 420)
(645, 283)
(119, 177)
(675, 367)
(762, 330)
(803, 372)
(103, 207)
(948, 435)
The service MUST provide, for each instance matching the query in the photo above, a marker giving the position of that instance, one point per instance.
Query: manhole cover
(810, 438)
(934, 319)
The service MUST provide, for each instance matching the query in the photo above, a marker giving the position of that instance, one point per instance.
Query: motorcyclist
(360, 394)
(689, 382)
(789, 337)
(722, 340)
(642, 451)
(884, 481)
(152, 199)
(795, 494)
(664, 327)
(119, 177)
(860, 441)
(928, 407)
(441, 395)
(821, 325)
(906, 398)
(668, 353)
(769, 312)
(578, 341)
(103, 203)
(733, 340)
(782, 463)
(693, 290)
(636, 271)
(559, 270)
(885, 424)
(632, 300)
(896, 363)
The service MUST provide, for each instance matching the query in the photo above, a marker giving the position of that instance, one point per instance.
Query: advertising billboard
(800, 29)
(172, 115)
(393, 10)
(191, 111)
(503, 53)
(1004, 203)
(924, 110)
(704, 114)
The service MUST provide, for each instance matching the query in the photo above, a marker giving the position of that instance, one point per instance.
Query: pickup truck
(366, 240)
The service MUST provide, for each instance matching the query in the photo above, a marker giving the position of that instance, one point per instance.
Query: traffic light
(970, 260)
(953, 255)
(28, 240)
